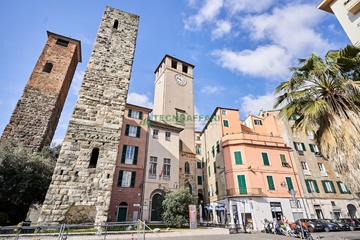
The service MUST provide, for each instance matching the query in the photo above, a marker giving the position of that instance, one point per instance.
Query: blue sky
(241, 49)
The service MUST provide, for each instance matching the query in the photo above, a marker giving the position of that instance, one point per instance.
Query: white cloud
(264, 61)
(222, 28)
(207, 12)
(77, 81)
(235, 6)
(253, 104)
(139, 100)
(212, 89)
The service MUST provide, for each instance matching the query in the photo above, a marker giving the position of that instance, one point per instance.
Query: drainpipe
(144, 172)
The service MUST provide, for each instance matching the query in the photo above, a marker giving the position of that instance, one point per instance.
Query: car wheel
(311, 229)
(352, 228)
(327, 229)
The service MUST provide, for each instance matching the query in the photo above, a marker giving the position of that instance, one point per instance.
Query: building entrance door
(156, 207)
(122, 212)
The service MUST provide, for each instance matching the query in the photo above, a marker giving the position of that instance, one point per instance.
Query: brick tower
(82, 181)
(36, 115)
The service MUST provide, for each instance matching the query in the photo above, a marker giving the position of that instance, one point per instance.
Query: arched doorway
(122, 212)
(156, 207)
(352, 211)
(188, 185)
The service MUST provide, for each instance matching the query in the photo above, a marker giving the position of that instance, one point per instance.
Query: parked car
(344, 224)
(328, 225)
(354, 223)
(311, 225)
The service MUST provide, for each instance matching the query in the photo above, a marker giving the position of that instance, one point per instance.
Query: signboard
(192, 217)
(136, 204)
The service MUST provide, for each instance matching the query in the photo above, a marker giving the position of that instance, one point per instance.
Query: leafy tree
(176, 207)
(325, 96)
(24, 179)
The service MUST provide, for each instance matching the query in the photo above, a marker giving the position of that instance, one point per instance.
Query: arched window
(116, 24)
(94, 158)
(187, 167)
(48, 67)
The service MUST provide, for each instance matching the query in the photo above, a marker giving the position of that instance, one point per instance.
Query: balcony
(285, 164)
(232, 192)
(353, 6)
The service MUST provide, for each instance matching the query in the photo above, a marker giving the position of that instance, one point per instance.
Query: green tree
(324, 95)
(24, 179)
(176, 207)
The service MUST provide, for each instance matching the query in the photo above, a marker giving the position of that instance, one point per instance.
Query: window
(321, 167)
(132, 131)
(207, 157)
(48, 67)
(289, 183)
(223, 112)
(214, 163)
(62, 42)
(312, 186)
(180, 145)
(187, 167)
(134, 114)
(342, 187)
(180, 117)
(299, 146)
(199, 180)
(226, 123)
(310, 134)
(209, 173)
(167, 136)
(242, 184)
(216, 188)
(265, 158)
(210, 191)
(184, 68)
(167, 167)
(328, 186)
(198, 149)
(304, 165)
(198, 165)
(213, 151)
(270, 181)
(155, 133)
(293, 205)
(217, 146)
(257, 122)
(152, 168)
(198, 138)
(284, 163)
(126, 179)
(174, 64)
(116, 24)
(94, 158)
(129, 155)
(238, 158)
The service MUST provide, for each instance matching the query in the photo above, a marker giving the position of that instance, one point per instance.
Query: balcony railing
(244, 192)
(352, 6)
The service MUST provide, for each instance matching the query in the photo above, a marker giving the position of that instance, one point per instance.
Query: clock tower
(174, 105)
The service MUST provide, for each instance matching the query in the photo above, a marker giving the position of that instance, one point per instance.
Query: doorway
(352, 211)
(122, 212)
(156, 207)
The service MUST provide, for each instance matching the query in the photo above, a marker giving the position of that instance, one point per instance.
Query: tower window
(62, 42)
(174, 64)
(94, 158)
(48, 67)
(116, 24)
(184, 68)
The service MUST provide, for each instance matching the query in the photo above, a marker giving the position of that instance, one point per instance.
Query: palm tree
(325, 95)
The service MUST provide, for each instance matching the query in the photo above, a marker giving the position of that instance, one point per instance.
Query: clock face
(180, 79)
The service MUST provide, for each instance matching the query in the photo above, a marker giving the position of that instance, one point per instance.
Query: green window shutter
(324, 185)
(242, 184)
(295, 146)
(140, 115)
(332, 186)
(132, 183)
(135, 155)
(121, 172)
(123, 155)
(289, 183)
(307, 182)
(127, 130)
(270, 181)
(238, 158)
(214, 167)
(213, 151)
(226, 123)
(293, 117)
(199, 180)
(129, 112)
(209, 173)
(311, 148)
(138, 132)
(316, 186)
(265, 159)
(303, 146)
(216, 188)
(339, 186)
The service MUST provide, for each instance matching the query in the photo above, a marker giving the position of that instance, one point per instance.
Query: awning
(208, 207)
(220, 208)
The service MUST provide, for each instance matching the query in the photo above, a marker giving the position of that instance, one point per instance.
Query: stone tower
(36, 115)
(82, 180)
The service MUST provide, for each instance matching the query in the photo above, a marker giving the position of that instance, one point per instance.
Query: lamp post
(293, 193)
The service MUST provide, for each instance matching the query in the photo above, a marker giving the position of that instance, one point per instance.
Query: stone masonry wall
(79, 193)
(36, 115)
